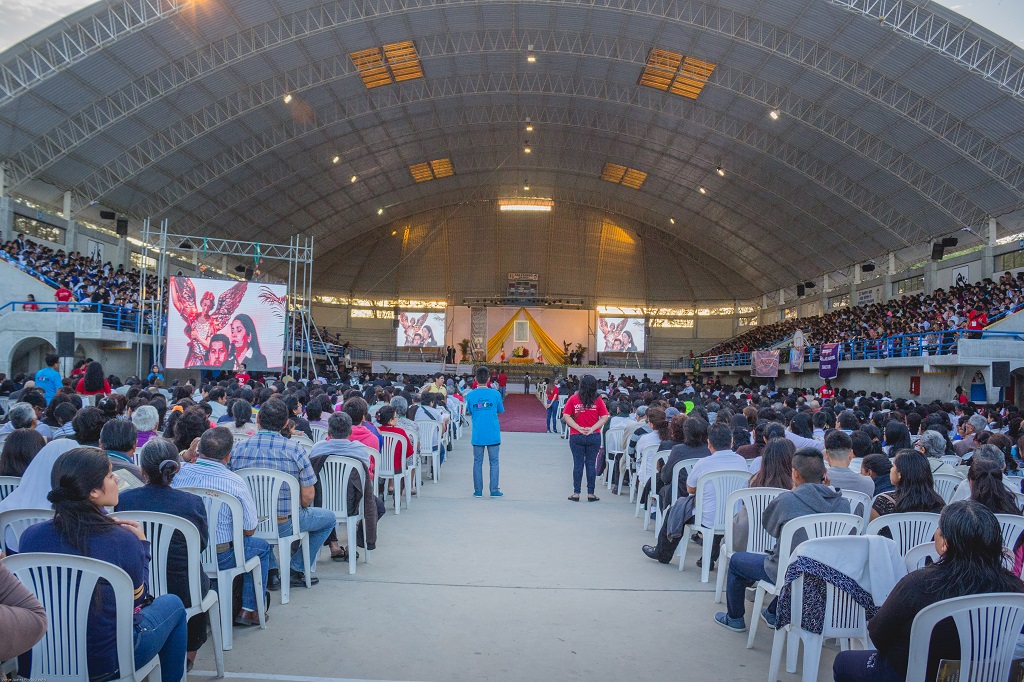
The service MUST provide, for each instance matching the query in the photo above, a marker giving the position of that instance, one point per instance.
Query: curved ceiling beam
(94, 119)
(969, 49)
(887, 216)
(336, 68)
(73, 39)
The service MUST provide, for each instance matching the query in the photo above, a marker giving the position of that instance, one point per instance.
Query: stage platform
(537, 372)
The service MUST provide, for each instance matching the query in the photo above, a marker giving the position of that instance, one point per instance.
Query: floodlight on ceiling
(672, 221)
(519, 204)
(702, 190)
(774, 114)
(288, 99)
(721, 171)
(336, 159)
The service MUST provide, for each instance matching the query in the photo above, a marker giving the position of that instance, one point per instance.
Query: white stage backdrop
(221, 324)
(620, 335)
(423, 330)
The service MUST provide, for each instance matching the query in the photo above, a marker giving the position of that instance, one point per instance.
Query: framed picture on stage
(521, 332)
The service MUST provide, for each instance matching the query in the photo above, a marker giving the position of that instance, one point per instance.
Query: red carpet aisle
(523, 413)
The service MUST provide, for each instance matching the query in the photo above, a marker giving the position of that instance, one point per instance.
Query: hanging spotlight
(530, 57)
(774, 113)
(288, 98)
(353, 178)
(380, 211)
(672, 221)
(703, 191)
(336, 159)
(529, 128)
(720, 170)
(526, 147)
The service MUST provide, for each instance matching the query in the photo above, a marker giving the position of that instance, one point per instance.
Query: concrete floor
(525, 587)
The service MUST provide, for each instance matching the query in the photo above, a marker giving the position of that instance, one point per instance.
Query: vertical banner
(764, 363)
(796, 359)
(828, 365)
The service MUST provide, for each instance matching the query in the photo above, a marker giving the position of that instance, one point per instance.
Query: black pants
(666, 547)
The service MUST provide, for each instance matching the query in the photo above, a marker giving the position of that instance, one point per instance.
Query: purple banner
(764, 363)
(796, 359)
(828, 365)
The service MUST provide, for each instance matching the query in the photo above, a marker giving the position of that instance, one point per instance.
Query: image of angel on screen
(204, 321)
(417, 332)
(616, 338)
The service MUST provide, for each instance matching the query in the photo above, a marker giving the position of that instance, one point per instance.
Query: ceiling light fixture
(526, 149)
(672, 221)
(336, 159)
(380, 211)
(521, 204)
(530, 57)
(288, 99)
(529, 128)
(720, 170)
(774, 113)
(703, 191)
(353, 178)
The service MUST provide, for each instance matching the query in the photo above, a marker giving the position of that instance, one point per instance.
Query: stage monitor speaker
(937, 251)
(800, 290)
(107, 215)
(1000, 374)
(122, 227)
(66, 344)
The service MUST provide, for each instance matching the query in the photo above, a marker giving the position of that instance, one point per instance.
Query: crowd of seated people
(141, 445)
(969, 306)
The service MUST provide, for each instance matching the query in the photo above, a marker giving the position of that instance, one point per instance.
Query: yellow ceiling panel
(671, 72)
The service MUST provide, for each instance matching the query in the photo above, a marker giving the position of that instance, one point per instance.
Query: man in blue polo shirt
(484, 405)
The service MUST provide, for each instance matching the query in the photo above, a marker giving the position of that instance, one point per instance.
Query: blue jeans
(319, 522)
(252, 546)
(161, 630)
(552, 422)
(584, 454)
(478, 467)
(745, 569)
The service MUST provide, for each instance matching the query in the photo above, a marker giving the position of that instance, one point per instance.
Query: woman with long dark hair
(93, 382)
(246, 344)
(986, 480)
(915, 487)
(585, 414)
(897, 437)
(160, 461)
(776, 472)
(19, 449)
(970, 546)
(82, 484)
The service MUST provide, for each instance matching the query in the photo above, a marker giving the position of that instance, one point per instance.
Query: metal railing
(115, 317)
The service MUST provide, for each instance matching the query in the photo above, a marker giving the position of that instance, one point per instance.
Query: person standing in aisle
(484, 404)
(502, 381)
(551, 403)
(526, 384)
(585, 414)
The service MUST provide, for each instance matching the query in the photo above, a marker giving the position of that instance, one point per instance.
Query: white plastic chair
(677, 472)
(656, 457)
(917, 557)
(64, 584)
(217, 503)
(639, 479)
(945, 484)
(753, 502)
(334, 485)
(860, 504)
(265, 486)
(14, 522)
(612, 448)
(723, 483)
(951, 460)
(430, 444)
(1012, 526)
(386, 470)
(814, 526)
(908, 530)
(159, 528)
(319, 432)
(988, 626)
(8, 484)
(844, 619)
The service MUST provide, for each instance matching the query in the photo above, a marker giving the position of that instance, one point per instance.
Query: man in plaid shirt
(270, 450)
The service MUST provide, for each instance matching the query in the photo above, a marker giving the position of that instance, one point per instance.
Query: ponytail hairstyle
(160, 461)
(75, 475)
(986, 480)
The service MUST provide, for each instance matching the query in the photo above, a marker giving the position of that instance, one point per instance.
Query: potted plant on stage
(581, 350)
(464, 347)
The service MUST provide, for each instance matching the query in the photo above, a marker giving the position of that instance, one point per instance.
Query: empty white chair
(217, 502)
(334, 479)
(265, 486)
(158, 529)
(907, 530)
(814, 526)
(8, 484)
(14, 522)
(752, 502)
(988, 626)
(319, 432)
(430, 444)
(386, 470)
(612, 449)
(917, 557)
(723, 483)
(860, 503)
(945, 484)
(64, 585)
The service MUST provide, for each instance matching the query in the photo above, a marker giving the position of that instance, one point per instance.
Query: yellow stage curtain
(553, 352)
(495, 343)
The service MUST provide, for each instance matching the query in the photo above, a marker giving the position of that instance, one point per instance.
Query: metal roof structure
(822, 132)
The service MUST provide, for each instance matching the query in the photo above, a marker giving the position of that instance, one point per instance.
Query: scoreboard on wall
(523, 286)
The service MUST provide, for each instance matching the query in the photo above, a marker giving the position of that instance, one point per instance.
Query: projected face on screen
(620, 335)
(420, 330)
(227, 325)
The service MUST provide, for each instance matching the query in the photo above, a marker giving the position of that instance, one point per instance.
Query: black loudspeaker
(937, 250)
(1000, 374)
(800, 290)
(66, 344)
(107, 215)
(122, 227)
(949, 242)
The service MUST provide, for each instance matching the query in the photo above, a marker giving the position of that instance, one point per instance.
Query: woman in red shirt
(551, 402)
(30, 304)
(93, 382)
(976, 321)
(585, 414)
